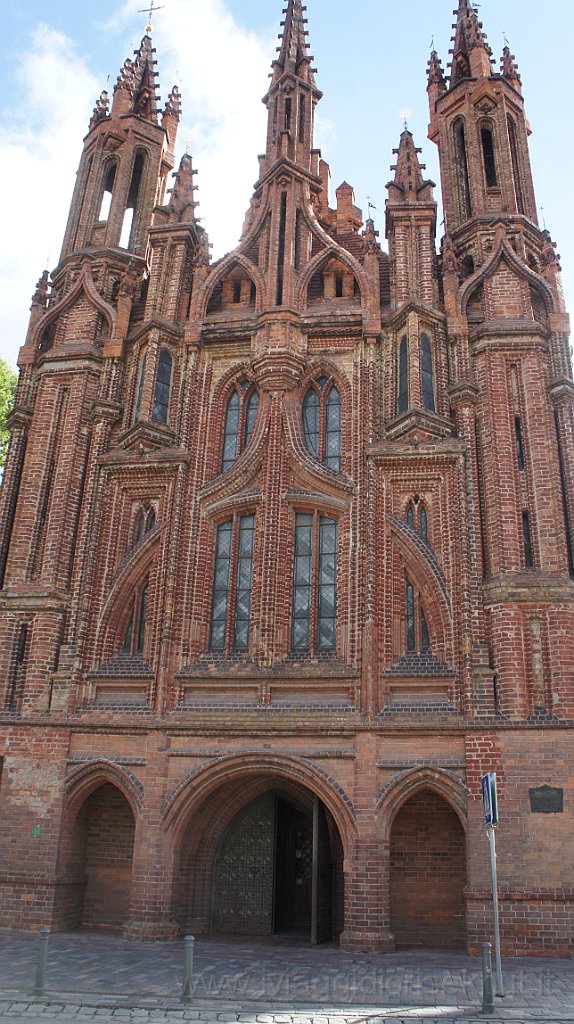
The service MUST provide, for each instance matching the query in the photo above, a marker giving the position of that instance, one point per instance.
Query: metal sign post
(490, 804)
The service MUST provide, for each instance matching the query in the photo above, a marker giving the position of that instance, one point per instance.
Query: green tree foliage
(8, 381)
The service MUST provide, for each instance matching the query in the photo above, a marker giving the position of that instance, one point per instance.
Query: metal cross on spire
(150, 11)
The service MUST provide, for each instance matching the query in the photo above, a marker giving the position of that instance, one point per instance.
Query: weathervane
(149, 11)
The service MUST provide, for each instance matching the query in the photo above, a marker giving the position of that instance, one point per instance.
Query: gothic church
(287, 541)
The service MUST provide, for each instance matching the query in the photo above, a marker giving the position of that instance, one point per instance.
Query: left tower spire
(127, 157)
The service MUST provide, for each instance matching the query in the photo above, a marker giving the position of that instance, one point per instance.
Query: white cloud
(40, 144)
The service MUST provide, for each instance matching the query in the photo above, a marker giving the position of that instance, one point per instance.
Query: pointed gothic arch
(503, 250)
(321, 260)
(84, 283)
(220, 273)
(114, 615)
(404, 785)
(191, 792)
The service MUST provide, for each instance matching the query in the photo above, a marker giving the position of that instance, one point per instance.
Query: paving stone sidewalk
(104, 978)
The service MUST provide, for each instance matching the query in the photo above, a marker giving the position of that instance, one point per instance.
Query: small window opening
(140, 390)
(427, 375)
(237, 291)
(338, 285)
(424, 525)
(126, 229)
(519, 442)
(527, 535)
(287, 115)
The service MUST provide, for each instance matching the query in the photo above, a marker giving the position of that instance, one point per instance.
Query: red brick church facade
(288, 541)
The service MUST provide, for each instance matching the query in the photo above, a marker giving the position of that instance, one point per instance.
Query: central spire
(293, 93)
(294, 57)
(471, 54)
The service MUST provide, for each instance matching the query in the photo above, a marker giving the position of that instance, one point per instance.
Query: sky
(371, 59)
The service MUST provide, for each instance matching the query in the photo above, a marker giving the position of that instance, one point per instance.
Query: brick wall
(105, 831)
(428, 871)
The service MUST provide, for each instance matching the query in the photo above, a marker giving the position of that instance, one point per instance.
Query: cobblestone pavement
(104, 978)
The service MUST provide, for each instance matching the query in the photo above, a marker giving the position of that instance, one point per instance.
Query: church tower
(511, 378)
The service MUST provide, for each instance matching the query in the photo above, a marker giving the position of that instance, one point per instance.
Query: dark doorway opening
(276, 870)
(293, 881)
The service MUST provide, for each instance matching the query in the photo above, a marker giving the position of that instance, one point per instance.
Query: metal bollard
(487, 990)
(186, 993)
(40, 983)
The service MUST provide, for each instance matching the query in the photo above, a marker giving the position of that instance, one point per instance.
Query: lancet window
(232, 584)
(314, 623)
(417, 633)
(240, 417)
(134, 636)
(322, 423)
(162, 387)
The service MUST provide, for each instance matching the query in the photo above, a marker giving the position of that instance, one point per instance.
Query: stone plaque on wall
(546, 800)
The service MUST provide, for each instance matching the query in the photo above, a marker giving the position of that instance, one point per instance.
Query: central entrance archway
(262, 859)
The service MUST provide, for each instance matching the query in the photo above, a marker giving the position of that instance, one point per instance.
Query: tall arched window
(427, 375)
(417, 632)
(515, 164)
(128, 238)
(314, 622)
(240, 417)
(322, 423)
(162, 387)
(134, 636)
(462, 166)
(232, 585)
(403, 389)
(424, 525)
(107, 193)
(487, 139)
(250, 417)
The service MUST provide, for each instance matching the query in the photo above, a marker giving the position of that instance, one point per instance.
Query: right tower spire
(479, 125)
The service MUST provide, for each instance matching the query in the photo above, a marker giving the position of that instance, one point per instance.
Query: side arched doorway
(427, 874)
(265, 859)
(96, 861)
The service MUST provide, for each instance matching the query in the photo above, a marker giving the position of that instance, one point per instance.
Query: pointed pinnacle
(101, 108)
(508, 66)
(294, 49)
(435, 71)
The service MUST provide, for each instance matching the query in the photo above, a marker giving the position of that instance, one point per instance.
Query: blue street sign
(489, 801)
